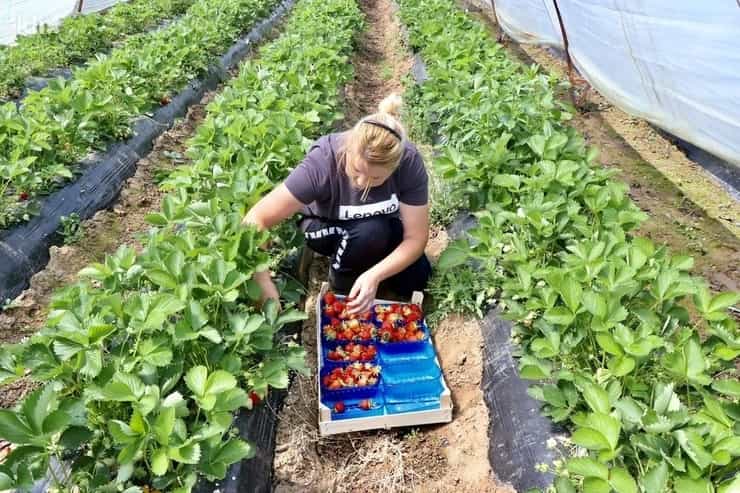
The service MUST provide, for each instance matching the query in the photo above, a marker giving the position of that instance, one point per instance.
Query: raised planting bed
(24, 248)
(77, 39)
(628, 351)
(146, 360)
(56, 128)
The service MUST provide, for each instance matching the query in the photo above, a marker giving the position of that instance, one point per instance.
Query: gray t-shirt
(321, 184)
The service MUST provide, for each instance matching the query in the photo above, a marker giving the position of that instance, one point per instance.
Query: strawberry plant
(144, 362)
(58, 125)
(78, 38)
(636, 357)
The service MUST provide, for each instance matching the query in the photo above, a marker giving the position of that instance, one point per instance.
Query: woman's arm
(271, 209)
(415, 236)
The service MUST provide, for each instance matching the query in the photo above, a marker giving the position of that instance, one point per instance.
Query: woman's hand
(271, 209)
(267, 287)
(363, 292)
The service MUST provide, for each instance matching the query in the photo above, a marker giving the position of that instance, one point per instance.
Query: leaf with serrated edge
(596, 398)
(621, 481)
(587, 467)
(196, 379)
(160, 462)
(727, 387)
(595, 485)
(656, 479)
(692, 443)
(220, 381)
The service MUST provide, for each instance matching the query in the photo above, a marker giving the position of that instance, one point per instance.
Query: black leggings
(355, 246)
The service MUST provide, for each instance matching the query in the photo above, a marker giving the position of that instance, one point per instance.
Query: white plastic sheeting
(675, 63)
(528, 21)
(89, 6)
(24, 16)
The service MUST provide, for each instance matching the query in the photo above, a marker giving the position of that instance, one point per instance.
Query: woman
(364, 198)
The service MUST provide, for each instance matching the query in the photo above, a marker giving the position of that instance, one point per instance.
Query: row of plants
(144, 362)
(77, 39)
(636, 357)
(42, 141)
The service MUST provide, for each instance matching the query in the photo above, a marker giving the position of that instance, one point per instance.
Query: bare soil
(121, 224)
(690, 211)
(380, 61)
(439, 458)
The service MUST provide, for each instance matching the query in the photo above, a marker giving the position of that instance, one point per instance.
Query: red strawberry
(365, 404)
(255, 399)
(329, 298)
(338, 307)
(339, 407)
(23, 196)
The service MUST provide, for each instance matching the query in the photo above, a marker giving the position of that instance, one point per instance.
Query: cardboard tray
(405, 397)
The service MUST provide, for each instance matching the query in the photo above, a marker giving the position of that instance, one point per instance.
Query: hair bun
(391, 105)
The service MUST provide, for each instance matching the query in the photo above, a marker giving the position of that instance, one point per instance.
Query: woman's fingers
(362, 294)
(362, 298)
(364, 303)
(357, 303)
(268, 290)
(356, 288)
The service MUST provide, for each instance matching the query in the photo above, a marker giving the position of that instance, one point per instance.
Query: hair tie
(386, 127)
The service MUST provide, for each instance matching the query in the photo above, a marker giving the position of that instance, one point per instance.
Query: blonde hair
(377, 139)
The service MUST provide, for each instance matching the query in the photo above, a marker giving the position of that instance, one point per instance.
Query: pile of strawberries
(353, 352)
(349, 330)
(352, 376)
(400, 323)
(342, 325)
(337, 309)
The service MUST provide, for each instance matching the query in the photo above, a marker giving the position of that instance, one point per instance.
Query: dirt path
(689, 210)
(103, 234)
(443, 458)
(380, 63)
